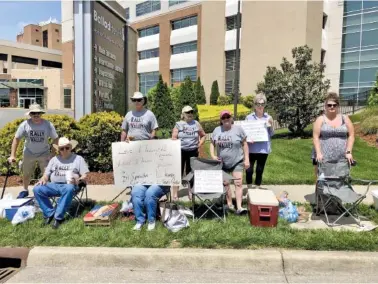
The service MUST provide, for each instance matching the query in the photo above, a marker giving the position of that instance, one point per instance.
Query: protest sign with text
(210, 181)
(255, 130)
(147, 162)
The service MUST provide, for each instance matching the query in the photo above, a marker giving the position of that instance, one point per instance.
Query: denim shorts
(239, 167)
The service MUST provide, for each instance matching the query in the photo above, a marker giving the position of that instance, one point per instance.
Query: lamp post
(237, 63)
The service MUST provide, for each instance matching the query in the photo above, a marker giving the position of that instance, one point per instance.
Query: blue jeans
(43, 193)
(146, 197)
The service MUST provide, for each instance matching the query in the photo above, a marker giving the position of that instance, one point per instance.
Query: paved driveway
(10, 114)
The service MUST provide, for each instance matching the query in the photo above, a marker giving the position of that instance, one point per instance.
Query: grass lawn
(235, 233)
(290, 161)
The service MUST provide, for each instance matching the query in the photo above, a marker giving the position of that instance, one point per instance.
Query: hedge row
(95, 133)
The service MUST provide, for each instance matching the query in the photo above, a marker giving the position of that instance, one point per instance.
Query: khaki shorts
(28, 164)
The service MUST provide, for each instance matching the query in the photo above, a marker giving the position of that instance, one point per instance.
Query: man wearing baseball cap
(36, 132)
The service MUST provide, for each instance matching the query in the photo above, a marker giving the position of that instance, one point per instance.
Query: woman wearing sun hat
(141, 124)
(36, 132)
(192, 136)
(61, 178)
(229, 141)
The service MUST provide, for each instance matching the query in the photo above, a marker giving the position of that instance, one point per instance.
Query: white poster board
(147, 162)
(256, 130)
(208, 181)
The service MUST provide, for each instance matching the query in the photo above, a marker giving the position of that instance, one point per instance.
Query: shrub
(370, 125)
(199, 92)
(163, 106)
(97, 132)
(64, 125)
(373, 98)
(224, 100)
(164, 133)
(175, 97)
(187, 96)
(247, 101)
(151, 98)
(214, 93)
(368, 112)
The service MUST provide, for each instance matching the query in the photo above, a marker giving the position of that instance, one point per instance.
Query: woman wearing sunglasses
(259, 151)
(141, 124)
(192, 136)
(333, 133)
(232, 150)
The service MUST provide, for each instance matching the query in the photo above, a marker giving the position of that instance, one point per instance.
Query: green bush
(214, 93)
(248, 101)
(164, 133)
(368, 112)
(175, 97)
(370, 125)
(224, 100)
(64, 125)
(97, 132)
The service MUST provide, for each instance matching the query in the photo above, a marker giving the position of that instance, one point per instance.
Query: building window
(51, 64)
(179, 75)
(151, 53)
(25, 60)
(231, 60)
(147, 81)
(45, 38)
(147, 7)
(229, 86)
(184, 47)
(231, 22)
(5, 70)
(184, 23)
(149, 31)
(175, 2)
(325, 18)
(67, 98)
(3, 57)
(127, 13)
(322, 56)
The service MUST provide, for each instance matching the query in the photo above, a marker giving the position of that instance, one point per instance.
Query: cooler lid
(262, 197)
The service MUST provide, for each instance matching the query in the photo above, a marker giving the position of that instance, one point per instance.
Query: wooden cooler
(263, 208)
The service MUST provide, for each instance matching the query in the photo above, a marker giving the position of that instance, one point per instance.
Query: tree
(199, 92)
(373, 98)
(295, 91)
(214, 93)
(162, 106)
(187, 96)
(175, 97)
(118, 97)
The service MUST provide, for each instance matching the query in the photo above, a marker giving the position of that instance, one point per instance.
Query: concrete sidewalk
(94, 265)
(296, 192)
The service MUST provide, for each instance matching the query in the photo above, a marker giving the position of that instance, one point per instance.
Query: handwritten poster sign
(208, 181)
(255, 129)
(147, 162)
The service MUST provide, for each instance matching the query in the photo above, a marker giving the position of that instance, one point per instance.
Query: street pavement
(10, 114)
(138, 265)
(296, 192)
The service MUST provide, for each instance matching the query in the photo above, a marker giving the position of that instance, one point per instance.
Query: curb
(287, 262)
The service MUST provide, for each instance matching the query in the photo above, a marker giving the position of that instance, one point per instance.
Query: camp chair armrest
(364, 180)
(187, 179)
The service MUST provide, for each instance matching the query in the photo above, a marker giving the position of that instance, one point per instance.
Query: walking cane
(6, 179)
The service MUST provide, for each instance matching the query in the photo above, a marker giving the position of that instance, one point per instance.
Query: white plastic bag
(7, 196)
(23, 214)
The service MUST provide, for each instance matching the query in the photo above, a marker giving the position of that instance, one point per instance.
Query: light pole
(237, 63)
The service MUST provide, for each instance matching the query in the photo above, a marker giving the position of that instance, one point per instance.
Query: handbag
(172, 217)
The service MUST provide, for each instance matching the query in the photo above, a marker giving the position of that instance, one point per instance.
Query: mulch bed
(370, 139)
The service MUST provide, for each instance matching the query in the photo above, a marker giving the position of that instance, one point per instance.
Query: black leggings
(185, 160)
(261, 160)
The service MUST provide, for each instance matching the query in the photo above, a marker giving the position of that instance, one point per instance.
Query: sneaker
(230, 208)
(151, 226)
(23, 194)
(241, 211)
(138, 227)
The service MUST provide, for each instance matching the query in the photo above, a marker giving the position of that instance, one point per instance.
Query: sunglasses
(260, 105)
(64, 148)
(137, 100)
(189, 112)
(226, 117)
(331, 105)
(36, 113)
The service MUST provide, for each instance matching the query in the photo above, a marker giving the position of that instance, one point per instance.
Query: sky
(14, 15)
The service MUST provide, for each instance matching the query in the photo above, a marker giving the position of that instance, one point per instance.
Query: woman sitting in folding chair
(65, 171)
(141, 124)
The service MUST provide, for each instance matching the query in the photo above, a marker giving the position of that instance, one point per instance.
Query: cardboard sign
(255, 129)
(147, 162)
(208, 181)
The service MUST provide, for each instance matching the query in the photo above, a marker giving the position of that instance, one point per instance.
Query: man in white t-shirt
(36, 132)
(65, 172)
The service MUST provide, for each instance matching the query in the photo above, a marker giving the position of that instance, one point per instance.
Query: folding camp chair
(78, 197)
(210, 200)
(334, 189)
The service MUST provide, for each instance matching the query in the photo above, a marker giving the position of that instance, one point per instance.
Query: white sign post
(208, 181)
(147, 162)
(255, 129)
